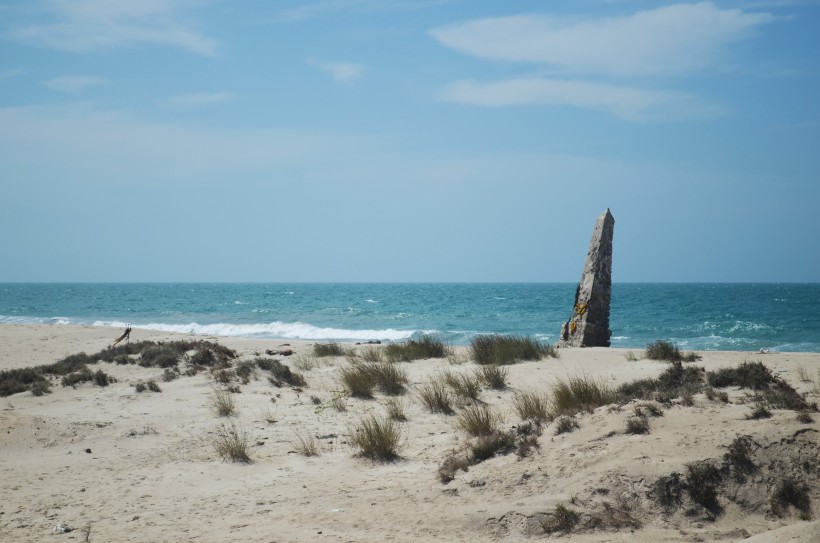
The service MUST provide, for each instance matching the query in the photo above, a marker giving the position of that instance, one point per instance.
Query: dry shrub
(377, 439)
(435, 395)
(493, 376)
(232, 443)
(478, 420)
(223, 403)
(532, 405)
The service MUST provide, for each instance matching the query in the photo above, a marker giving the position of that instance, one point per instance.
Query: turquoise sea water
(782, 317)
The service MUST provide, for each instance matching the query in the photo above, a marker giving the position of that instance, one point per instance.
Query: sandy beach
(120, 465)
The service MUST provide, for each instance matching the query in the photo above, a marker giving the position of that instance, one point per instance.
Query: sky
(408, 140)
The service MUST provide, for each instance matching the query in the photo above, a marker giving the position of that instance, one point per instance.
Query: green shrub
(464, 386)
(478, 420)
(280, 374)
(493, 376)
(82, 376)
(508, 349)
(21, 380)
(38, 388)
(377, 439)
(153, 386)
(358, 381)
(416, 349)
(754, 375)
(663, 350)
(533, 406)
(675, 381)
(322, 350)
(246, 370)
(102, 379)
(578, 394)
(389, 378)
(435, 395)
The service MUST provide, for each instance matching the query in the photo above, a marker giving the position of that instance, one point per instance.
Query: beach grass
(377, 439)
(427, 346)
(232, 443)
(478, 420)
(532, 405)
(508, 349)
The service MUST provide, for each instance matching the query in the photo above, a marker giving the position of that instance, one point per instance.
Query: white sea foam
(296, 330)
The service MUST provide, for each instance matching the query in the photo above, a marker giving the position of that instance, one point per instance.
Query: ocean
(742, 317)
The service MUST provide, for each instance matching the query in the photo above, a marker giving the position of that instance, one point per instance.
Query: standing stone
(589, 324)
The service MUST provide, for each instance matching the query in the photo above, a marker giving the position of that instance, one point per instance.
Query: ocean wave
(5, 319)
(296, 330)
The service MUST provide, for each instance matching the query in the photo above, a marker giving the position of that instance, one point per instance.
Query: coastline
(151, 474)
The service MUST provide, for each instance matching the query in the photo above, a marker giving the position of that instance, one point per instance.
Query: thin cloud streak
(199, 99)
(74, 83)
(671, 40)
(343, 72)
(82, 26)
(628, 103)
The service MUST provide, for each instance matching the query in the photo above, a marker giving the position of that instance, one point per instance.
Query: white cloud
(675, 39)
(74, 83)
(199, 99)
(88, 25)
(343, 72)
(629, 103)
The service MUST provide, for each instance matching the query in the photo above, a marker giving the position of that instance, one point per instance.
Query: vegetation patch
(280, 374)
(576, 394)
(790, 492)
(562, 519)
(702, 480)
(531, 405)
(322, 350)
(566, 424)
(232, 444)
(436, 396)
(223, 403)
(427, 346)
(508, 349)
(466, 387)
(478, 420)
(493, 376)
(377, 439)
(770, 389)
(666, 350)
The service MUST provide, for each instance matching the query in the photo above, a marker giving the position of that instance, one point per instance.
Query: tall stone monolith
(589, 324)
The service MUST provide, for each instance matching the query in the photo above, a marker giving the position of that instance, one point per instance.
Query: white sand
(151, 473)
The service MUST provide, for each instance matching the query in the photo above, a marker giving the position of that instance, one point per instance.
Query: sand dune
(141, 467)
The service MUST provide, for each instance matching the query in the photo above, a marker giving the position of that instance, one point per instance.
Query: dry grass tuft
(478, 420)
(223, 403)
(232, 443)
(377, 439)
(435, 395)
(305, 444)
(533, 406)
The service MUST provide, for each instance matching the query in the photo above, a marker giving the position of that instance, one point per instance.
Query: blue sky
(408, 140)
